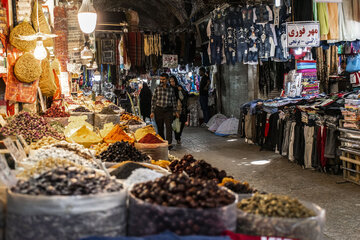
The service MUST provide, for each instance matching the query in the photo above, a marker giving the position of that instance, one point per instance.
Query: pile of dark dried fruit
(122, 151)
(67, 182)
(177, 190)
(81, 109)
(197, 168)
(240, 188)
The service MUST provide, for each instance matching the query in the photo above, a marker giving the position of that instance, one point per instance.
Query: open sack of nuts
(280, 216)
(66, 203)
(185, 206)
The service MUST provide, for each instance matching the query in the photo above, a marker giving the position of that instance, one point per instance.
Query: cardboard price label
(6, 176)
(16, 153)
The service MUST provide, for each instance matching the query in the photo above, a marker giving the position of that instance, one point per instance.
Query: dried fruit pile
(67, 181)
(122, 151)
(31, 126)
(197, 168)
(177, 190)
(56, 111)
(81, 109)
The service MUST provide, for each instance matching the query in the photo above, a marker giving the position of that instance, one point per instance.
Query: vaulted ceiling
(157, 14)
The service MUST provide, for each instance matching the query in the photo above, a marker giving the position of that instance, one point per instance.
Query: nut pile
(177, 190)
(72, 152)
(47, 165)
(197, 168)
(99, 148)
(114, 107)
(56, 111)
(122, 151)
(45, 141)
(271, 205)
(128, 116)
(31, 126)
(81, 109)
(67, 181)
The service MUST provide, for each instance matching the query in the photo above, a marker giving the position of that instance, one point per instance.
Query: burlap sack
(27, 68)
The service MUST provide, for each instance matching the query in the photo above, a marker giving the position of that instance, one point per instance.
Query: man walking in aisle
(163, 108)
(204, 94)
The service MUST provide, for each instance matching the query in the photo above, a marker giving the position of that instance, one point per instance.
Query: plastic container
(65, 217)
(298, 228)
(147, 219)
(157, 151)
(90, 116)
(101, 119)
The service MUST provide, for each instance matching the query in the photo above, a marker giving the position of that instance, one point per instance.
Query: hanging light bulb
(87, 17)
(277, 3)
(40, 51)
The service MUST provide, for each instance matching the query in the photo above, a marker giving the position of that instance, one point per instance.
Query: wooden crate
(351, 167)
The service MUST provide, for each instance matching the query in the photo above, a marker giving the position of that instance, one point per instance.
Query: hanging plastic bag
(176, 125)
(353, 64)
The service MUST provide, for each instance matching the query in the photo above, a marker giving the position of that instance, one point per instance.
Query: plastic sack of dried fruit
(146, 219)
(157, 151)
(298, 228)
(65, 217)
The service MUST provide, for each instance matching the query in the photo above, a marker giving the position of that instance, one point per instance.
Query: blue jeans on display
(242, 51)
(216, 49)
(204, 103)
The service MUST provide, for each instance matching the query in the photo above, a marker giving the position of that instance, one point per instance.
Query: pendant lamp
(87, 17)
(40, 52)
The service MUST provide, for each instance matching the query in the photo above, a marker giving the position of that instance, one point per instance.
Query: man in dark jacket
(204, 94)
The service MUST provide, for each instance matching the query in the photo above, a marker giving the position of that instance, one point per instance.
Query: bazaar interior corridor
(269, 172)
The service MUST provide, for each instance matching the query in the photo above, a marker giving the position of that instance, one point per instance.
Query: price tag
(17, 154)
(24, 143)
(2, 121)
(6, 176)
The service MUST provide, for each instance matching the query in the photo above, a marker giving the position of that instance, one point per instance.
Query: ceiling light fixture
(40, 52)
(277, 3)
(87, 17)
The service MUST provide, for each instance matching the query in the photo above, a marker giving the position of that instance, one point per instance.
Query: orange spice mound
(117, 134)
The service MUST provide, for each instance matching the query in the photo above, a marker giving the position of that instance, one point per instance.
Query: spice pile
(141, 175)
(72, 152)
(141, 132)
(161, 163)
(45, 141)
(85, 137)
(150, 139)
(271, 205)
(197, 168)
(177, 190)
(107, 110)
(117, 134)
(133, 122)
(114, 107)
(122, 151)
(128, 116)
(67, 181)
(56, 112)
(81, 109)
(236, 186)
(31, 126)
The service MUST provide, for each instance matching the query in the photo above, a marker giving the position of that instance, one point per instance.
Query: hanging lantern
(40, 52)
(86, 53)
(87, 17)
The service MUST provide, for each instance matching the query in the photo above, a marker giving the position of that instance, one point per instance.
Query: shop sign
(303, 34)
(170, 61)
(6, 176)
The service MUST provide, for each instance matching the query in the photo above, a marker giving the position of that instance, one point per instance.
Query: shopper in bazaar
(204, 94)
(145, 101)
(182, 98)
(164, 107)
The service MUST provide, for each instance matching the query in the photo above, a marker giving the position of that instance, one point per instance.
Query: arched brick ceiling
(153, 14)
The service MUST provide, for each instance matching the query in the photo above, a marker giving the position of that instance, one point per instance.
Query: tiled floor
(270, 172)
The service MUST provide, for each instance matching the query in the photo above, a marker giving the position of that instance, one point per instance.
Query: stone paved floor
(269, 172)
